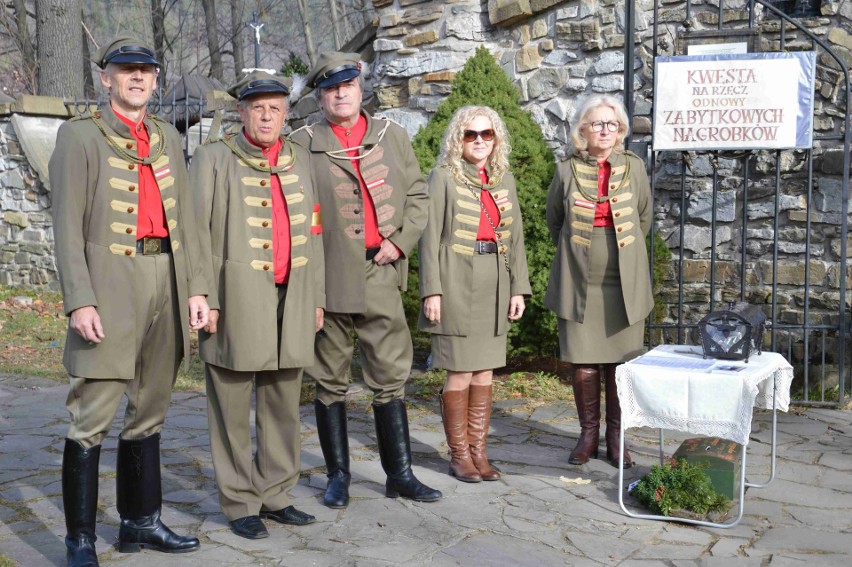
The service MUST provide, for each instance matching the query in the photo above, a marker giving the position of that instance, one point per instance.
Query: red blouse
(485, 232)
(603, 213)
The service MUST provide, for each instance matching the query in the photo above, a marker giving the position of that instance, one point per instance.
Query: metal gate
(766, 227)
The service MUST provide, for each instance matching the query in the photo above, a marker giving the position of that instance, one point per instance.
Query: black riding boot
(80, 499)
(334, 440)
(395, 452)
(140, 498)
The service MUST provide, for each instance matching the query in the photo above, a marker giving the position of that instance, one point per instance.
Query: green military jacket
(570, 225)
(234, 202)
(392, 176)
(446, 250)
(95, 204)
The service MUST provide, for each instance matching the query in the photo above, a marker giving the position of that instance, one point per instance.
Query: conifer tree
(483, 82)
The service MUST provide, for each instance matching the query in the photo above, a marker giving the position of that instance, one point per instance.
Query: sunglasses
(472, 135)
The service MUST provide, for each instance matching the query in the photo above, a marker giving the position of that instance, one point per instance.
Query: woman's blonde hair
(579, 143)
(452, 146)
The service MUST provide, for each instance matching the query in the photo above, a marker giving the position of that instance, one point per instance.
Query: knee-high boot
(454, 407)
(334, 441)
(395, 452)
(478, 421)
(613, 420)
(587, 396)
(140, 499)
(80, 500)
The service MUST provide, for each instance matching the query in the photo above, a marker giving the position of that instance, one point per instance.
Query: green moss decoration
(678, 485)
(483, 82)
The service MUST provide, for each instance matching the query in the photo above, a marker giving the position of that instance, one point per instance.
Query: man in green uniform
(260, 219)
(127, 252)
(376, 205)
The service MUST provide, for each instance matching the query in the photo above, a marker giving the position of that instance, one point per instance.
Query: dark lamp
(733, 333)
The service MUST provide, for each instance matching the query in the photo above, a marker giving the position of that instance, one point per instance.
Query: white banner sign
(746, 101)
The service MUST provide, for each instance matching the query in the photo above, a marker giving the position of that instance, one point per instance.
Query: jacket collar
(324, 140)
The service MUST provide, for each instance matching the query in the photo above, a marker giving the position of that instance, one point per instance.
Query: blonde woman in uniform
(473, 278)
(599, 212)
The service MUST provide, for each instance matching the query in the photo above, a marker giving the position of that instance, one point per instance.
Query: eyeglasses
(598, 126)
(472, 135)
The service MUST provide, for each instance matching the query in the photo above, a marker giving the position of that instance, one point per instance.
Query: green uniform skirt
(483, 348)
(604, 336)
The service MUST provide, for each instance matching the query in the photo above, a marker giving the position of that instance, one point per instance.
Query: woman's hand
(516, 307)
(432, 308)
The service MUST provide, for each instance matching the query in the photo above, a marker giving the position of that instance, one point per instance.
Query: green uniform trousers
(383, 335)
(93, 403)
(248, 482)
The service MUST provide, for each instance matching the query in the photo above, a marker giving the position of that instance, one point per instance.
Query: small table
(674, 387)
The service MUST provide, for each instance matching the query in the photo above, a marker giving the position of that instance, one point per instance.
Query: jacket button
(128, 252)
(129, 146)
(356, 191)
(265, 224)
(263, 164)
(131, 166)
(614, 199)
(502, 208)
(128, 230)
(131, 188)
(612, 186)
(130, 209)
(266, 267)
(263, 203)
(263, 183)
(621, 244)
(619, 229)
(357, 231)
(617, 214)
(266, 246)
(357, 211)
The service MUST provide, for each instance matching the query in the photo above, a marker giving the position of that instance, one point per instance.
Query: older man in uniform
(375, 204)
(127, 251)
(260, 218)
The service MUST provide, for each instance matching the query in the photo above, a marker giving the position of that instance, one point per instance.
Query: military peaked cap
(259, 81)
(125, 49)
(332, 68)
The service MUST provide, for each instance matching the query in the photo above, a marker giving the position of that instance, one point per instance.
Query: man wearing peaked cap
(126, 250)
(260, 225)
(375, 204)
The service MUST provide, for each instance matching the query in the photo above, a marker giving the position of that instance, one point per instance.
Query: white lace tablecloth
(673, 387)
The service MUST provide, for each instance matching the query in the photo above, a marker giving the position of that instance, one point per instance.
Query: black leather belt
(485, 247)
(149, 245)
(371, 252)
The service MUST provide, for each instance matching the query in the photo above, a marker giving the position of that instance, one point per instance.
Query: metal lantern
(733, 333)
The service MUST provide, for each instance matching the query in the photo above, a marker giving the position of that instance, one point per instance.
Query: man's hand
(199, 312)
(516, 307)
(212, 321)
(432, 308)
(87, 323)
(389, 253)
(320, 319)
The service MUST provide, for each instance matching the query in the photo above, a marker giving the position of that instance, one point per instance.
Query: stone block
(423, 14)
(411, 120)
(40, 105)
(832, 161)
(700, 206)
(793, 273)
(12, 179)
(828, 195)
(546, 82)
(539, 28)
(546, 45)
(397, 31)
(408, 51)
(15, 218)
(608, 83)
(37, 136)
(383, 44)
(559, 57)
(442, 76)
(423, 63)
(841, 37)
(506, 12)
(521, 34)
(712, 18)
(421, 38)
(575, 86)
(403, 3)
(392, 96)
(641, 125)
(542, 5)
(467, 26)
(567, 13)
(528, 58)
(587, 8)
(381, 3)
(415, 86)
(560, 108)
(389, 20)
(578, 31)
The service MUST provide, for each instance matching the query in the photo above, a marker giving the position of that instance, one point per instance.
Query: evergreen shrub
(483, 82)
(677, 486)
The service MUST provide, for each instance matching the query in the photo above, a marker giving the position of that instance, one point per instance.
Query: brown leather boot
(478, 420)
(587, 396)
(454, 416)
(613, 420)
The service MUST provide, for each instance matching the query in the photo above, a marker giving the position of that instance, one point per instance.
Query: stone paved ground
(529, 518)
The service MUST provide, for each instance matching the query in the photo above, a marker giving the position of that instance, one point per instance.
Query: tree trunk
(60, 49)
(310, 47)
(337, 40)
(237, 27)
(158, 26)
(25, 44)
(88, 82)
(211, 22)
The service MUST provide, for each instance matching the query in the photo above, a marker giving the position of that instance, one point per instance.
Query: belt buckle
(151, 246)
(479, 247)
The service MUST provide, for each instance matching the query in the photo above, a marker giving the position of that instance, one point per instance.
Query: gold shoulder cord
(286, 143)
(161, 146)
(596, 199)
(471, 183)
(342, 154)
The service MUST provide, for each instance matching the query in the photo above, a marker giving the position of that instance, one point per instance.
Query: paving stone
(798, 560)
(804, 540)
(839, 461)
(502, 551)
(668, 551)
(802, 494)
(837, 480)
(728, 547)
